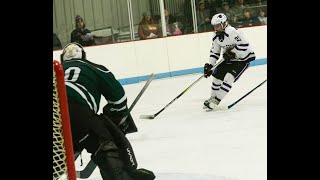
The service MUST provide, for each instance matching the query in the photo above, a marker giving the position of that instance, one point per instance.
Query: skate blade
(219, 108)
(205, 107)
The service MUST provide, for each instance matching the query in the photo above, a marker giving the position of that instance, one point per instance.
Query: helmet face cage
(221, 19)
(72, 51)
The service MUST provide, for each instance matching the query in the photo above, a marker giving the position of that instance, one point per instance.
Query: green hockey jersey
(86, 82)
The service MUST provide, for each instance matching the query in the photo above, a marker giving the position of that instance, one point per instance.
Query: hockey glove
(128, 126)
(228, 55)
(143, 174)
(207, 70)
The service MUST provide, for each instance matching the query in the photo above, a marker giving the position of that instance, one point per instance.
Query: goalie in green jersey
(102, 135)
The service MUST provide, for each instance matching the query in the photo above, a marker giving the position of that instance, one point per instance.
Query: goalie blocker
(127, 127)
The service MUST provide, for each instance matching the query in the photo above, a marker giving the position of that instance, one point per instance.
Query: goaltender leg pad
(126, 151)
(110, 163)
(143, 174)
(90, 143)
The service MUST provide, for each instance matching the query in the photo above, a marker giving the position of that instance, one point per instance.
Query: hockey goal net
(63, 158)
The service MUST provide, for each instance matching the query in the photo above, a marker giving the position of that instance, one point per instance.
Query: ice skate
(207, 102)
(211, 103)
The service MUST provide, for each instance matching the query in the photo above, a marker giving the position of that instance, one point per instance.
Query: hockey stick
(152, 76)
(87, 171)
(231, 105)
(91, 166)
(156, 114)
(137, 98)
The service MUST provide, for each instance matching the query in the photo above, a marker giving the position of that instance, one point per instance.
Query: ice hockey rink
(184, 142)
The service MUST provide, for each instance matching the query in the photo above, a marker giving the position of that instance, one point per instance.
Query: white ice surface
(185, 142)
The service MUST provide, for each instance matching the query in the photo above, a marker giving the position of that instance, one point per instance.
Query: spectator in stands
(248, 19)
(261, 3)
(257, 5)
(176, 27)
(238, 8)
(173, 27)
(187, 18)
(218, 3)
(148, 28)
(249, 2)
(56, 42)
(168, 17)
(203, 18)
(262, 18)
(213, 8)
(81, 35)
(231, 15)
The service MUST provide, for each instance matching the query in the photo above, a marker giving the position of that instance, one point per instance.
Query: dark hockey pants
(236, 68)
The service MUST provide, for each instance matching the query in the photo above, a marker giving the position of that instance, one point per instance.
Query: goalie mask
(72, 51)
(219, 22)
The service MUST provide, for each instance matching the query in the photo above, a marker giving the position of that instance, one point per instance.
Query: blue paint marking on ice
(133, 80)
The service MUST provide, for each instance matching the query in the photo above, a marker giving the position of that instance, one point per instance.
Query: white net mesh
(60, 171)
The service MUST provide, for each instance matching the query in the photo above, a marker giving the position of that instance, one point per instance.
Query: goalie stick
(137, 98)
(91, 166)
(156, 114)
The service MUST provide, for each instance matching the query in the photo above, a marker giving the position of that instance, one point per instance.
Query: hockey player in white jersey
(237, 55)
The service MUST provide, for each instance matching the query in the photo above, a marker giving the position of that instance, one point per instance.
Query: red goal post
(63, 157)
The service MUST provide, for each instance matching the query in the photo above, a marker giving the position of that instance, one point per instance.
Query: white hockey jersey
(231, 38)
